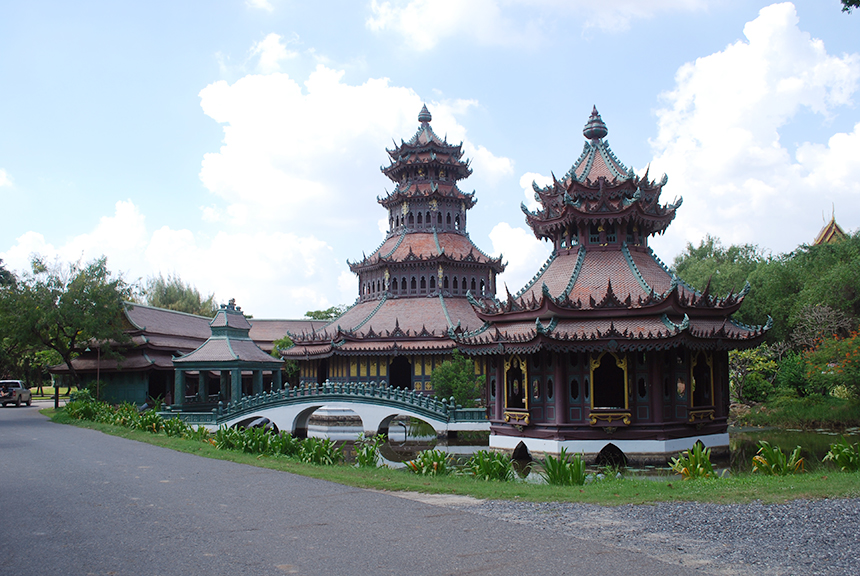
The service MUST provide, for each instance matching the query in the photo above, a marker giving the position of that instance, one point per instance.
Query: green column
(179, 387)
(203, 387)
(257, 382)
(225, 385)
(235, 385)
(277, 383)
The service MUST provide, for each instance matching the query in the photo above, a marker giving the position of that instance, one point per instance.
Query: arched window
(439, 219)
(474, 286)
(457, 222)
(432, 283)
(411, 219)
(456, 286)
(429, 219)
(419, 219)
(483, 287)
(449, 219)
(414, 287)
(445, 283)
(423, 285)
(403, 285)
(394, 287)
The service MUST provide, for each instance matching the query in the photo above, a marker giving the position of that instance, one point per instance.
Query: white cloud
(271, 52)
(5, 180)
(261, 4)
(719, 140)
(526, 181)
(306, 157)
(425, 23)
(524, 254)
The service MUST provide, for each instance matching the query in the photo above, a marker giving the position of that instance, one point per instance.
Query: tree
(7, 278)
(328, 314)
(64, 309)
(835, 362)
(291, 367)
(172, 293)
(749, 373)
(456, 377)
(726, 268)
(816, 322)
(848, 5)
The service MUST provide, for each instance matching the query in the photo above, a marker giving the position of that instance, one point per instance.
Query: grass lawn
(629, 490)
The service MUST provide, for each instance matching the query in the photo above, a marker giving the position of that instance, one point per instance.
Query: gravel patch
(799, 537)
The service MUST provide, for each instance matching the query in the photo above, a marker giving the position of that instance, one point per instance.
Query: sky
(238, 144)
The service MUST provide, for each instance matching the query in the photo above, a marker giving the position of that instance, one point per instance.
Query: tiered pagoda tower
(605, 345)
(412, 288)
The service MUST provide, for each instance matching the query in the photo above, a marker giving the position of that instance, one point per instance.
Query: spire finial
(595, 128)
(424, 115)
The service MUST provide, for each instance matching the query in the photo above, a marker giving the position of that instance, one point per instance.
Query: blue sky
(238, 144)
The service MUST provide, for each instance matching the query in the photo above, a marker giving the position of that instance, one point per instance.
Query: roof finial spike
(424, 116)
(595, 129)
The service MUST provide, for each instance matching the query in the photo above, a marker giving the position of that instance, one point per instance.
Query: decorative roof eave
(380, 262)
(398, 196)
(544, 226)
(613, 340)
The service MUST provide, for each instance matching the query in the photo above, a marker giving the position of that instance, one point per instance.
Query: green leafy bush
(320, 451)
(488, 465)
(562, 471)
(150, 421)
(367, 450)
(844, 455)
(456, 377)
(771, 460)
(695, 463)
(430, 463)
(284, 444)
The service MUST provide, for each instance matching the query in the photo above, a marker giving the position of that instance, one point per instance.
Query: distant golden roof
(830, 233)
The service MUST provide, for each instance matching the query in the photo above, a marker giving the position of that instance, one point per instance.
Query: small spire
(595, 128)
(424, 115)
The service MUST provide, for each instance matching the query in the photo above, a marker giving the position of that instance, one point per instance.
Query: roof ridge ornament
(595, 129)
(424, 116)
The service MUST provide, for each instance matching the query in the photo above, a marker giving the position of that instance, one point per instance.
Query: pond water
(743, 443)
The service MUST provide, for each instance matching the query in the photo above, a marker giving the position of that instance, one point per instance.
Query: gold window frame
(525, 383)
(709, 360)
(594, 363)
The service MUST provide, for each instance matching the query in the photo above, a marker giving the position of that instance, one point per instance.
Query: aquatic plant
(772, 461)
(563, 471)
(367, 450)
(430, 463)
(844, 455)
(488, 465)
(694, 463)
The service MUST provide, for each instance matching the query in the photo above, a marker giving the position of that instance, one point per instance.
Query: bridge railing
(343, 391)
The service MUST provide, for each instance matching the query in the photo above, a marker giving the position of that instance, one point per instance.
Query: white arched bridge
(289, 409)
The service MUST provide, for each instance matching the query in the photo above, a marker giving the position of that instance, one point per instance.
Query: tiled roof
(222, 349)
(265, 332)
(168, 322)
(423, 246)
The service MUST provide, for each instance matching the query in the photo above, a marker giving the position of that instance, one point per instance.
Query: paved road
(78, 502)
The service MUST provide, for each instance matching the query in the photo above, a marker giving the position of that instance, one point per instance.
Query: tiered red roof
(600, 294)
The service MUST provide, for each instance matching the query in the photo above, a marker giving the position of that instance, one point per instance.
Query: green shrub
(150, 421)
(757, 388)
(791, 376)
(367, 450)
(284, 444)
(695, 463)
(844, 455)
(488, 465)
(228, 438)
(430, 463)
(771, 460)
(320, 451)
(177, 428)
(562, 471)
